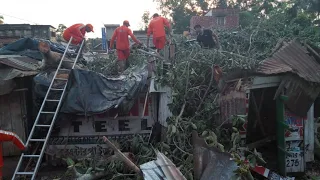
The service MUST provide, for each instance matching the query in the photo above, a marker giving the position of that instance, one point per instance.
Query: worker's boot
(120, 66)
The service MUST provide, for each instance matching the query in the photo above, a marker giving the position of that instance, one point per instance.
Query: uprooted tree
(195, 92)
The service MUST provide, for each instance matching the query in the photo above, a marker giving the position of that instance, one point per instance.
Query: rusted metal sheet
(20, 62)
(294, 58)
(233, 99)
(301, 94)
(233, 103)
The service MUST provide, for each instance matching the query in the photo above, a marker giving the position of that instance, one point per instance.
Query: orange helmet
(90, 27)
(126, 22)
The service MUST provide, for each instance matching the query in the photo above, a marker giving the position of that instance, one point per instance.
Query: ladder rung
(61, 79)
(62, 69)
(42, 125)
(53, 100)
(55, 89)
(47, 112)
(38, 140)
(24, 173)
(68, 61)
(32, 156)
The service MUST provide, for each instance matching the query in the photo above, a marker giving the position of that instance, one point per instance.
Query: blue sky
(69, 12)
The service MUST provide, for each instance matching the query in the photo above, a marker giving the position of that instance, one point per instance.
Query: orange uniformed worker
(15, 139)
(122, 43)
(157, 28)
(77, 31)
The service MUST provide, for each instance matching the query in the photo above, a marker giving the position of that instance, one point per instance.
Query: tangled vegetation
(195, 94)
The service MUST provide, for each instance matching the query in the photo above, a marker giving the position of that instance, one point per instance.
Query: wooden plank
(309, 132)
(5, 121)
(13, 108)
(164, 111)
(280, 136)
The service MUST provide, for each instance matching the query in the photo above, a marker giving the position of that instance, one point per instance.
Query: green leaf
(249, 175)
(166, 146)
(221, 147)
(78, 165)
(193, 126)
(204, 133)
(234, 129)
(69, 162)
(252, 160)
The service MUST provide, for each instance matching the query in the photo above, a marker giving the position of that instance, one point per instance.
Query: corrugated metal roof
(20, 62)
(7, 73)
(292, 57)
(161, 169)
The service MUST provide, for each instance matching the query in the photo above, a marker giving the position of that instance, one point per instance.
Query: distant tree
(145, 20)
(1, 19)
(222, 4)
(60, 30)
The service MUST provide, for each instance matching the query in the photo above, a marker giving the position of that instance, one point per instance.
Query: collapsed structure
(258, 93)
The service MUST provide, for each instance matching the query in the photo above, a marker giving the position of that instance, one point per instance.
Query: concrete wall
(8, 31)
(211, 19)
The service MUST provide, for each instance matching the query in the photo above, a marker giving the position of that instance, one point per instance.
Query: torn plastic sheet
(161, 169)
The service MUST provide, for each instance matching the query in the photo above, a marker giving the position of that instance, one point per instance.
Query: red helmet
(90, 27)
(126, 22)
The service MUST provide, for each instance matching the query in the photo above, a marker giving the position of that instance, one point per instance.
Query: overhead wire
(18, 18)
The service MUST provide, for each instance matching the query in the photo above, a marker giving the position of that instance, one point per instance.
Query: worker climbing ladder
(48, 126)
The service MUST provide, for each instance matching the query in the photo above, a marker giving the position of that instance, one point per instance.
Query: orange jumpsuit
(9, 136)
(77, 31)
(121, 36)
(156, 27)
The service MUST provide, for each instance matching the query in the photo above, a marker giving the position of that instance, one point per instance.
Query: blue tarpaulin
(29, 47)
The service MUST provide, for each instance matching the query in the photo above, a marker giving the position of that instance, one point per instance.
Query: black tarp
(91, 93)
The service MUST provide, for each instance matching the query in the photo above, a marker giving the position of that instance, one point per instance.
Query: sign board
(83, 136)
(104, 39)
(294, 143)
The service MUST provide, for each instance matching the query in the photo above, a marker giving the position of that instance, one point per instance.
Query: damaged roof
(295, 58)
(12, 66)
(20, 62)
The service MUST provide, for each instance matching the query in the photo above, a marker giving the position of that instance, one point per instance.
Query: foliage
(182, 10)
(145, 20)
(60, 31)
(1, 19)
(195, 93)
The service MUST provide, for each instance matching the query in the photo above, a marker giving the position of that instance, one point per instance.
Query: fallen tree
(195, 93)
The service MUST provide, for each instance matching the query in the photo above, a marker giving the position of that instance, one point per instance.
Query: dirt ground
(50, 172)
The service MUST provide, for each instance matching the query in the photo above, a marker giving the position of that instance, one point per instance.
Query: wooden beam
(309, 132)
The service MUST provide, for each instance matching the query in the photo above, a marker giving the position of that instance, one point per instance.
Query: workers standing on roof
(157, 28)
(122, 44)
(77, 32)
(206, 38)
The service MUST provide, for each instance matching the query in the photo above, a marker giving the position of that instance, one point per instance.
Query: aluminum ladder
(48, 126)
